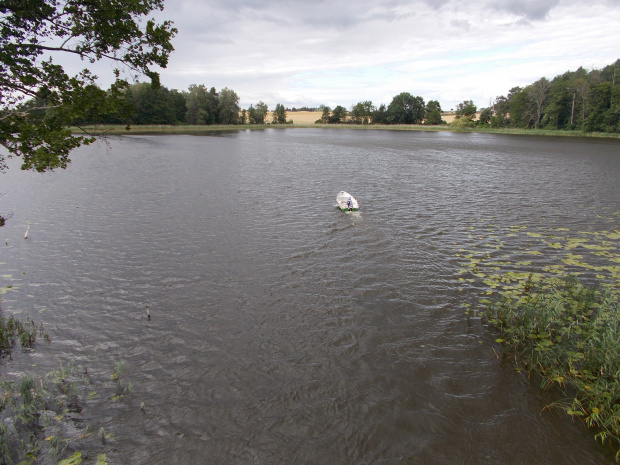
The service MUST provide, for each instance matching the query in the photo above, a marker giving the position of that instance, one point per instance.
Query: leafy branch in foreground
(569, 335)
(38, 99)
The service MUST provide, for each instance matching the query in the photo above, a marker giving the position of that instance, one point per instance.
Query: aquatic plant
(568, 334)
(12, 331)
(32, 407)
(122, 388)
(19, 407)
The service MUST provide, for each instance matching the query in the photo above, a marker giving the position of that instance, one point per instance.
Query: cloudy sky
(340, 52)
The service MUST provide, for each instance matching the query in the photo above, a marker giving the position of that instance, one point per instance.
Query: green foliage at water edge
(569, 335)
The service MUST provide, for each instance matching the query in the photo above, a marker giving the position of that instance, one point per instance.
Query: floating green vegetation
(4, 290)
(569, 335)
(504, 260)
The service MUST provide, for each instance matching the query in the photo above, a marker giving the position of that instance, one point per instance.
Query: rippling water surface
(284, 331)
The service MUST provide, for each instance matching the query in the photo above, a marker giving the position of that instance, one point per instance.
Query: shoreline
(206, 129)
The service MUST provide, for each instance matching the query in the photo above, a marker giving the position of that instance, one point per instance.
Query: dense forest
(576, 100)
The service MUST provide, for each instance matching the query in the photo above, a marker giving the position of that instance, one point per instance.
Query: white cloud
(339, 52)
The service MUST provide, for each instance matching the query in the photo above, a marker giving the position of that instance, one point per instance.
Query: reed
(13, 331)
(569, 335)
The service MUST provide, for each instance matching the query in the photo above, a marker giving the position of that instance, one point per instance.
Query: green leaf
(75, 459)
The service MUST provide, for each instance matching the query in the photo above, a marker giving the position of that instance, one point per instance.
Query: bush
(463, 122)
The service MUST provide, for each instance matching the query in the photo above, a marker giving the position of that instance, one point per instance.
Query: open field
(299, 117)
(309, 117)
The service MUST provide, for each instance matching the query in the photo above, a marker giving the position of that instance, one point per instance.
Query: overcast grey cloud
(530, 9)
(340, 52)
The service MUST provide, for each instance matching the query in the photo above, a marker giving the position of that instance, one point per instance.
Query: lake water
(284, 331)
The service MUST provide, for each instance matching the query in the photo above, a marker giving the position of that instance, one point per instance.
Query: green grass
(569, 335)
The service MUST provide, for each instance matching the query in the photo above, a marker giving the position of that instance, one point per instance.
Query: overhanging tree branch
(31, 31)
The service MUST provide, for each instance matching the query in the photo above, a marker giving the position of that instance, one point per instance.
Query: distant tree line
(588, 101)
(576, 100)
(404, 109)
(148, 104)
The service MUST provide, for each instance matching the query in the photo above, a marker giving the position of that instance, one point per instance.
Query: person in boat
(350, 203)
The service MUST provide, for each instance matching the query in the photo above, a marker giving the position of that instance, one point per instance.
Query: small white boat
(346, 202)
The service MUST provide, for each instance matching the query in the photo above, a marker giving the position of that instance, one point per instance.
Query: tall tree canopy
(228, 107)
(433, 113)
(406, 109)
(279, 114)
(258, 114)
(38, 99)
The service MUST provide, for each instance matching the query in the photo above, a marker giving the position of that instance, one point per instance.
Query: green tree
(485, 117)
(279, 114)
(466, 109)
(465, 114)
(406, 109)
(500, 112)
(600, 117)
(614, 109)
(611, 73)
(517, 107)
(361, 112)
(557, 111)
(433, 113)
(258, 114)
(339, 115)
(177, 101)
(197, 105)
(537, 100)
(150, 105)
(228, 107)
(325, 114)
(33, 30)
(582, 88)
(379, 115)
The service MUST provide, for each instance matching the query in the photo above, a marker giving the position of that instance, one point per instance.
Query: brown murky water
(284, 331)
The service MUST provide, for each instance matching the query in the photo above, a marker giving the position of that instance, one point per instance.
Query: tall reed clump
(568, 334)
(13, 331)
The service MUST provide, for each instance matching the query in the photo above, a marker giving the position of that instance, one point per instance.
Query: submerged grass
(569, 335)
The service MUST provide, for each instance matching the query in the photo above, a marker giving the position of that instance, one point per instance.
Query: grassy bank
(569, 336)
(197, 130)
